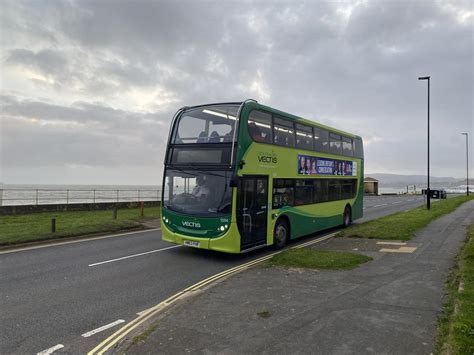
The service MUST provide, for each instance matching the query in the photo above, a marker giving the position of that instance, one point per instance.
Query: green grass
(317, 259)
(143, 336)
(456, 327)
(403, 225)
(37, 226)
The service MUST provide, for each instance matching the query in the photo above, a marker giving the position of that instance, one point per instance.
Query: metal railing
(21, 196)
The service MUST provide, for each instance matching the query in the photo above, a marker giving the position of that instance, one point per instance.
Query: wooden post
(114, 213)
(53, 225)
(142, 209)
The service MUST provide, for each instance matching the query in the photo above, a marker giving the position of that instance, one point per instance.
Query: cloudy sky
(88, 88)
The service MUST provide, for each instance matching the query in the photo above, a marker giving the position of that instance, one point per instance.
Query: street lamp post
(428, 194)
(467, 164)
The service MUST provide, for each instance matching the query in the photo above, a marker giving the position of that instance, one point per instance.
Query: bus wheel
(347, 218)
(281, 234)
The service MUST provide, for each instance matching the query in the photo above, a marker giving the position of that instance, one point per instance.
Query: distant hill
(394, 180)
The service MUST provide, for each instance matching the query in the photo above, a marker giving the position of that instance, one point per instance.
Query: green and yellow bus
(240, 176)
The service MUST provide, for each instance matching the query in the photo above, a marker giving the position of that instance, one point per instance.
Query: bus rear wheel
(347, 217)
(281, 234)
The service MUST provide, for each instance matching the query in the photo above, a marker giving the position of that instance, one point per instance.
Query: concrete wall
(23, 209)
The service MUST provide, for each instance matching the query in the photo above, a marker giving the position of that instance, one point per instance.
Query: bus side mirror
(234, 181)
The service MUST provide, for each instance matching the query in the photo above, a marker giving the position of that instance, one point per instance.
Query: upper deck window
(358, 148)
(321, 140)
(335, 144)
(347, 146)
(207, 124)
(283, 132)
(260, 126)
(304, 137)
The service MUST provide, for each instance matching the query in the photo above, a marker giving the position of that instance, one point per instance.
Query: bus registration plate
(192, 243)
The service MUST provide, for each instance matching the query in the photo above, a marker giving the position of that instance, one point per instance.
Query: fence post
(142, 209)
(117, 195)
(53, 225)
(36, 197)
(94, 197)
(114, 214)
(138, 195)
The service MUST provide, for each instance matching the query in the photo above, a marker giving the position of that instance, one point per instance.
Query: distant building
(371, 186)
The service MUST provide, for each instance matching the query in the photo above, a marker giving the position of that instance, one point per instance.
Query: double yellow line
(122, 332)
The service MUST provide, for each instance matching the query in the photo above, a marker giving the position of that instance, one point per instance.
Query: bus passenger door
(252, 201)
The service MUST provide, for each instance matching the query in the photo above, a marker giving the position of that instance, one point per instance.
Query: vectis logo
(267, 158)
(191, 224)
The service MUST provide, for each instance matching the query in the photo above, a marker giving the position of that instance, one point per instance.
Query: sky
(88, 88)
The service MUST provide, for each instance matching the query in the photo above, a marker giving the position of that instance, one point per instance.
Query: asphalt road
(56, 294)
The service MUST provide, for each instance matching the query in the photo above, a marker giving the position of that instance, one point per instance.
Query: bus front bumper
(229, 242)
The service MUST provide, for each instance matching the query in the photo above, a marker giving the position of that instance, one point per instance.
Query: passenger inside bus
(256, 133)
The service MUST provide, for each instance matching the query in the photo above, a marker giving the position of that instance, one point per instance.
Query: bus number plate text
(192, 243)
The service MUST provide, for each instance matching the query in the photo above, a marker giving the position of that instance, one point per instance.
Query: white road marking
(134, 255)
(101, 329)
(51, 350)
(391, 243)
(399, 250)
(383, 204)
(82, 240)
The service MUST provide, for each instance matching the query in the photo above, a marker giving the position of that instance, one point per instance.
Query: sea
(16, 194)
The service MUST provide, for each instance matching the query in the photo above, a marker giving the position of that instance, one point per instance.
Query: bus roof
(305, 120)
(281, 113)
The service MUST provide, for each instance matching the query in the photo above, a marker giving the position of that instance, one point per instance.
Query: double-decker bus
(241, 175)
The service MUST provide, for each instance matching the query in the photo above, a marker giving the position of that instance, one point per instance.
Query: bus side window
(283, 132)
(304, 192)
(283, 192)
(358, 148)
(320, 193)
(347, 189)
(334, 190)
(260, 126)
(304, 137)
(321, 140)
(347, 147)
(335, 144)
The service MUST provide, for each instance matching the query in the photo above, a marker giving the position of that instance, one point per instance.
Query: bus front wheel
(347, 217)
(281, 234)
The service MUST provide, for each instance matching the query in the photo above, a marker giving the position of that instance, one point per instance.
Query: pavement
(387, 306)
(55, 294)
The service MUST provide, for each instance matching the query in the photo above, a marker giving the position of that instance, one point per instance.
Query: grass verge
(456, 326)
(317, 259)
(37, 226)
(403, 225)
